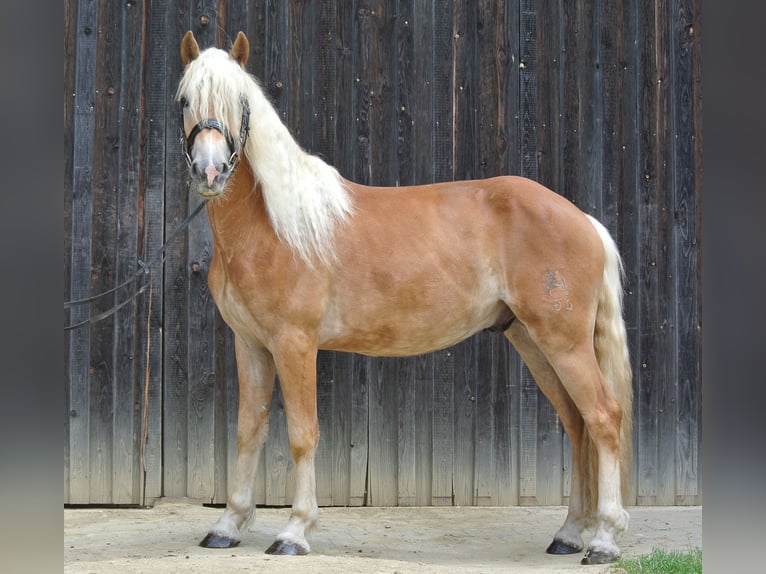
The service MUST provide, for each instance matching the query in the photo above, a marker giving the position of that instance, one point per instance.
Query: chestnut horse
(306, 260)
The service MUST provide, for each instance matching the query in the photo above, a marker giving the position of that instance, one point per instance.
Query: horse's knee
(304, 443)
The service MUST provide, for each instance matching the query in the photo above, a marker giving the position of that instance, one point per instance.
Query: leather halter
(235, 147)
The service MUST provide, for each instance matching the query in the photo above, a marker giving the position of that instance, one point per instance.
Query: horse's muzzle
(210, 180)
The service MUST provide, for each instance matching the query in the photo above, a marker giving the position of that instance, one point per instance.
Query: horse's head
(215, 113)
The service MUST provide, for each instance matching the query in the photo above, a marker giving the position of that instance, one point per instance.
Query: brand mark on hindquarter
(557, 291)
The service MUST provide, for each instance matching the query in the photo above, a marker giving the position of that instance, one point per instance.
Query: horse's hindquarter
(422, 268)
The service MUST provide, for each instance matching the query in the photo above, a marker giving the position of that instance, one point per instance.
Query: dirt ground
(164, 539)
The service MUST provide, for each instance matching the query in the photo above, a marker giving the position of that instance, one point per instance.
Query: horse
(305, 260)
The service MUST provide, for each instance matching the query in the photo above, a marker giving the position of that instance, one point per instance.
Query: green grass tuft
(660, 561)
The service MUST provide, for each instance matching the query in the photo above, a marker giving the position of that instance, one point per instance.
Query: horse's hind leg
(568, 539)
(296, 366)
(255, 368)
(574, 360)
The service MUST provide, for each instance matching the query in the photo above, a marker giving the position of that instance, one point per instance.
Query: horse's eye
(184, 103)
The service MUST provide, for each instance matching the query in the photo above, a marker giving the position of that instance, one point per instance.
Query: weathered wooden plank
(653, 323)
(104, 255)
(627, 190)
(687, 163)
(300, 85)
(550, 106)
(275, 70)
(666, 334)
(324, 453)
(278, 457)
(510, 87)
(528, 425)
(443, 428)
(359, 456)
(241, 17)
(464, 149)
(424, 413)
(550, 454)
(383, 433)
(200, 357)
(253, 24)
(340, 427)
(152, 214)
(406, 432)
(70, 45)
(609, 46)
(226, 404)
(464, 393)
(528, 88)
(578, 120)
(345, 107)
(360, 163)
(175, 292)
(485, 444)
(508, 398)
(204, 15)
(443, 85)
(380, 75)
(406, 81)
(324, 120)
(423, 94)
(127, 91)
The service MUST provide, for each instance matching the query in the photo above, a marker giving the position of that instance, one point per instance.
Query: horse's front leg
(296, 365)
(255, 367)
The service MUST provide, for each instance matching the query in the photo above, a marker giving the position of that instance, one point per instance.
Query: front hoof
(213, 540)
(598, 557)
(560, 547)
(284, 548)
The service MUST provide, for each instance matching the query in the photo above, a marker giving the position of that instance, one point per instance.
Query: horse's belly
(402, 334)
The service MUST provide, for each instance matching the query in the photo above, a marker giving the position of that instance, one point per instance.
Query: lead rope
(145, 418)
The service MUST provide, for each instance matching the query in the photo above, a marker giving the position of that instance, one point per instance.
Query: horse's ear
(189, 48)
(241, 49)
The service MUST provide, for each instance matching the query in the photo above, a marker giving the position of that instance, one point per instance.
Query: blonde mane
(305, 197)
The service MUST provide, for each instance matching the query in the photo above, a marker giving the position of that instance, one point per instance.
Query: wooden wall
(599, 100)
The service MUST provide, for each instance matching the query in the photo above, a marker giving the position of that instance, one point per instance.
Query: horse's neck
(241, 214)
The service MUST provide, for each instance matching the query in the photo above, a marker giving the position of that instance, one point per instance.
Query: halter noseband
(235, 147)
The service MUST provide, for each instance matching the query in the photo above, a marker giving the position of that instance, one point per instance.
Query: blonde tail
(611, 344)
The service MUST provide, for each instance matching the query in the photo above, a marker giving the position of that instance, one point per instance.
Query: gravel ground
(164, 539)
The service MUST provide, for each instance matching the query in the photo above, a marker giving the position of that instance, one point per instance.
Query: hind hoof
(560, 547)
(597, 557)
(283, 548)
(213, 540)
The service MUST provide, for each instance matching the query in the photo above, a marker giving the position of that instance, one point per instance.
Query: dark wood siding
(599, 100)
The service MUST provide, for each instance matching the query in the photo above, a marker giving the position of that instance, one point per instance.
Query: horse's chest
(235, 308)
